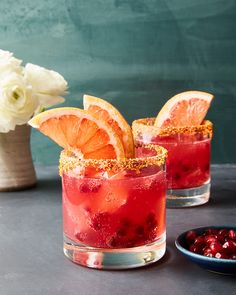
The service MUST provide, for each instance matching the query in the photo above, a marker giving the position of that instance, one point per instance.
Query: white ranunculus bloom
(9, 64)
(17, 102)
(49, 86)
(26, 91)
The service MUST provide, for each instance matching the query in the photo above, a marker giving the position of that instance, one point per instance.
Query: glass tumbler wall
(188, 162)
(114, 210)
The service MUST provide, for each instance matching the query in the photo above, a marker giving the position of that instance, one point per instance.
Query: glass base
(178, 198)
(102, 258)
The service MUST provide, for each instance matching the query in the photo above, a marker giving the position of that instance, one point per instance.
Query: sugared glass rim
(146, 126)
(71, 159)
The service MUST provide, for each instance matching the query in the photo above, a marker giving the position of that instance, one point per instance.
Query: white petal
(9, 64)
(45, 81)
(47, 101)
(12, 111)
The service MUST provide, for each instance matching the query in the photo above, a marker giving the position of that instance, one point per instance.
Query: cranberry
(223, 232)
(232, 235)
(125, 225)
(196, 249)
(210, 239)
(121, 232)
(220, 238)
(211, 231)
(200, 241)
(207, 252)
(89, 187)
(233, 257)
(215, 247)
(100, 220)
(81, 236)
(177, 176)
(151, 221)
(191, 236)
(125, 222)
(207, 167)
(221, 255)
(230, 247)
(186, 168)
(140, 231)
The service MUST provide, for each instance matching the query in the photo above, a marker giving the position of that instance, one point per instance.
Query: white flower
(48, 86)
(9, 64)
(17, 102)
(26, 91)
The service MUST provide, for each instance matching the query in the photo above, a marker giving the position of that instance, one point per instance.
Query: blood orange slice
(184, 109)
(105, 111)
(76, 128)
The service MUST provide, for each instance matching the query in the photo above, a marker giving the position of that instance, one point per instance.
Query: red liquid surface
(114, 213)
(188, 161)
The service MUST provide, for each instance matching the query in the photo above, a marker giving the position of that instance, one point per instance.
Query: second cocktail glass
(114, 210)
(188, 162)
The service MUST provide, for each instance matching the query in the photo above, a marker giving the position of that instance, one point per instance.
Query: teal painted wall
(135, 53)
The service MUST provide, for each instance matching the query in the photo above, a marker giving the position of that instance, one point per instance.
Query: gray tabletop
(32, 261)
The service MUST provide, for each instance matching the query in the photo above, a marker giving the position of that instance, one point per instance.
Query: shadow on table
(52, 184)
(50, 187)
(223, 195)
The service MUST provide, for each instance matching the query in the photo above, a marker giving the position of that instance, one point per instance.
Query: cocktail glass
(188, 162)
(114, 210)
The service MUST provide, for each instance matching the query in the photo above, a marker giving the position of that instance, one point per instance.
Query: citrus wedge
(76, 128)
(105, 111)
(184, 109)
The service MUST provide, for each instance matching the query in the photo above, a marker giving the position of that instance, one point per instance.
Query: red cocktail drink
(114, 206)
(188, 162)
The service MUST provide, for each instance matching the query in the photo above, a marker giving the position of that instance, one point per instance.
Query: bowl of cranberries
(212, 247)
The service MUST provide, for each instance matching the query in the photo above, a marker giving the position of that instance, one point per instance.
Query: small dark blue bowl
(222, 266)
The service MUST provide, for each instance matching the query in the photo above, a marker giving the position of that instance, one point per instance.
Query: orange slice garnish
(79, 129)
(184, 109)
(105, 111)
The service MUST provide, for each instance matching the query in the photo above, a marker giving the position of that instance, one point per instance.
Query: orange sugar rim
(68, 161)
(146, 125)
